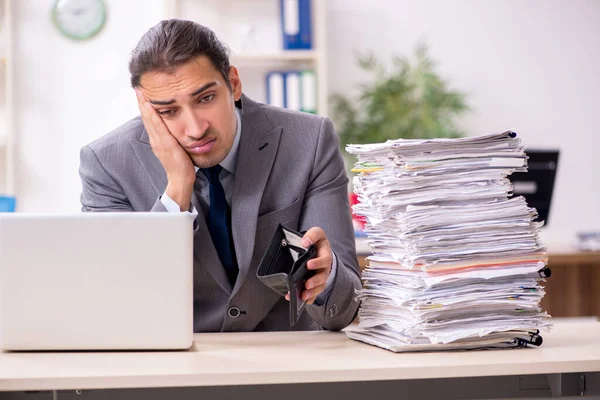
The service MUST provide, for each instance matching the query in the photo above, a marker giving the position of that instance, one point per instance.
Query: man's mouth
(202, 147)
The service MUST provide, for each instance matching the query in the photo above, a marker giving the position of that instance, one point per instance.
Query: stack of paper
(456, 263)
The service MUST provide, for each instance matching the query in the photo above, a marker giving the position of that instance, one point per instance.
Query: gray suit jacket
(289, 170)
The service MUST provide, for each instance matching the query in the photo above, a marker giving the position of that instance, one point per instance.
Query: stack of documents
(456, 262)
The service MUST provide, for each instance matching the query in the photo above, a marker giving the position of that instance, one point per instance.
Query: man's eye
(166, 112)
(206, 99)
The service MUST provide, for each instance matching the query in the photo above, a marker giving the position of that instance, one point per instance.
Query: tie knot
(212, 173)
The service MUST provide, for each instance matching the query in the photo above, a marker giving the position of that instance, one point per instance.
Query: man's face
(197, 107)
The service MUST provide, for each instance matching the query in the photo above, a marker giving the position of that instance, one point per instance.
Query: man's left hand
(321, 263)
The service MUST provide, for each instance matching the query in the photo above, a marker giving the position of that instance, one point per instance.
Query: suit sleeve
(326, 206)
(100, 192)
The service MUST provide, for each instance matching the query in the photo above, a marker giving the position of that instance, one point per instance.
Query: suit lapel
(205, 255)
(256, 154)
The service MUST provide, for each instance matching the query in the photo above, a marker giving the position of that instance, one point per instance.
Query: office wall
(67, 94)
(529, 65)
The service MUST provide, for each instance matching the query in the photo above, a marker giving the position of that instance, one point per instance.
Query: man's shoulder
(130, 130)
(293, 122)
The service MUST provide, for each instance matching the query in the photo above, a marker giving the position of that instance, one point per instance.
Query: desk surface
(565, 254)
(292, 357)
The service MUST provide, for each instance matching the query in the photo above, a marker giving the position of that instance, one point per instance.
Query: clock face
(79, 19)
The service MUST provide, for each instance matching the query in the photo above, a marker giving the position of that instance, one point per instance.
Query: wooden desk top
(565, 254)
(291, 357)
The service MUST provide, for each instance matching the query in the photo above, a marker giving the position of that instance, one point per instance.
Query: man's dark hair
(172, 43)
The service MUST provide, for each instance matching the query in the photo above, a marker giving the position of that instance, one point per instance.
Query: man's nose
(195, 126)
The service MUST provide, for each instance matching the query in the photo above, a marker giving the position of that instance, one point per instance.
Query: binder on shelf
(275, 89)
(296, 24)
(7, 204)
(308, 91)
(294, 90)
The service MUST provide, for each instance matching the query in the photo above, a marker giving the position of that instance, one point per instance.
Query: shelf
(284, 56)
(256, 43)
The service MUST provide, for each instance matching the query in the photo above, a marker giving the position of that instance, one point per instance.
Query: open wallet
(283, 268)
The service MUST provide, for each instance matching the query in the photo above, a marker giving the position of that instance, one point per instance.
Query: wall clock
(79, 19)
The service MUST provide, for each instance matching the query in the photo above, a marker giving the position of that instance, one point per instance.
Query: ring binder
(545, 272)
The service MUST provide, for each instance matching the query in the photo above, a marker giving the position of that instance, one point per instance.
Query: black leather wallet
(283, 268)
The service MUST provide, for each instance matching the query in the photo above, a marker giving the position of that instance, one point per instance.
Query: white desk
(234, 359)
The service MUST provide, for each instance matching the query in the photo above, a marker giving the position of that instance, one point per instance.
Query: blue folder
(296, 24)
(7, 204)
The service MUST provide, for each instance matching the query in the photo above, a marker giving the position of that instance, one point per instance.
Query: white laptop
(96, 281)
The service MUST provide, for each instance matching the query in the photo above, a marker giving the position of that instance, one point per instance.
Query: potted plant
(409, 101)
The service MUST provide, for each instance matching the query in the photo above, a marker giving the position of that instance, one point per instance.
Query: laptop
(96, 281)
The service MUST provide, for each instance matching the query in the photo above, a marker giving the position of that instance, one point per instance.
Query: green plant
(409, 101)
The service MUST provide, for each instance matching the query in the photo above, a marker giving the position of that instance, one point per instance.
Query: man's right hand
(178, 165)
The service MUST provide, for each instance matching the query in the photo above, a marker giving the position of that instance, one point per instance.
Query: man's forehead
(198, 71)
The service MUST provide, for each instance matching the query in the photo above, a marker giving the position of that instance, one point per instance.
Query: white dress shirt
(226, 178)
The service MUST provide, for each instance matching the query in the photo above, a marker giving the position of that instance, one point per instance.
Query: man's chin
(206, 161)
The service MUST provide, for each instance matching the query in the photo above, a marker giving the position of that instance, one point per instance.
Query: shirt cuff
(171, 206)
(322, 298)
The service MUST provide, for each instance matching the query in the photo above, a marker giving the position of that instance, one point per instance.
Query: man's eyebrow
(194, 93)
(203, 88)
(161, 102)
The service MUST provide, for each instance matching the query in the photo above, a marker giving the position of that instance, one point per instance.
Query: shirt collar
(229, 162)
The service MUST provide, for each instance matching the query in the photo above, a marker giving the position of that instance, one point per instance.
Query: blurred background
(478, 66)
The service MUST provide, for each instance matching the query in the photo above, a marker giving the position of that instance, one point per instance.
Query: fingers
(320, 278)
(324, 258)
(313, 236)
(146, 114)
(317, 237)
(144, 106)
(140, 98)
(316, 285)
(155, 126)
(321, 263)
(311, 295)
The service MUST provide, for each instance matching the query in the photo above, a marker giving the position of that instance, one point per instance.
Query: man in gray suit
(201, 146)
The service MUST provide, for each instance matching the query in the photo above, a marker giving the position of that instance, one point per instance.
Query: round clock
(79, 19)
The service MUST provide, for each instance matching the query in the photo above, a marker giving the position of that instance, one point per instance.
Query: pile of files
(457, 263)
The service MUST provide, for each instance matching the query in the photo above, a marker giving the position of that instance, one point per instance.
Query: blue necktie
(219, 223)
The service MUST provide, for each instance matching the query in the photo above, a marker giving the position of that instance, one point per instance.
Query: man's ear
(236, 83)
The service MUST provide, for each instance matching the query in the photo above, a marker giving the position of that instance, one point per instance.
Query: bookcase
(253, 32)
